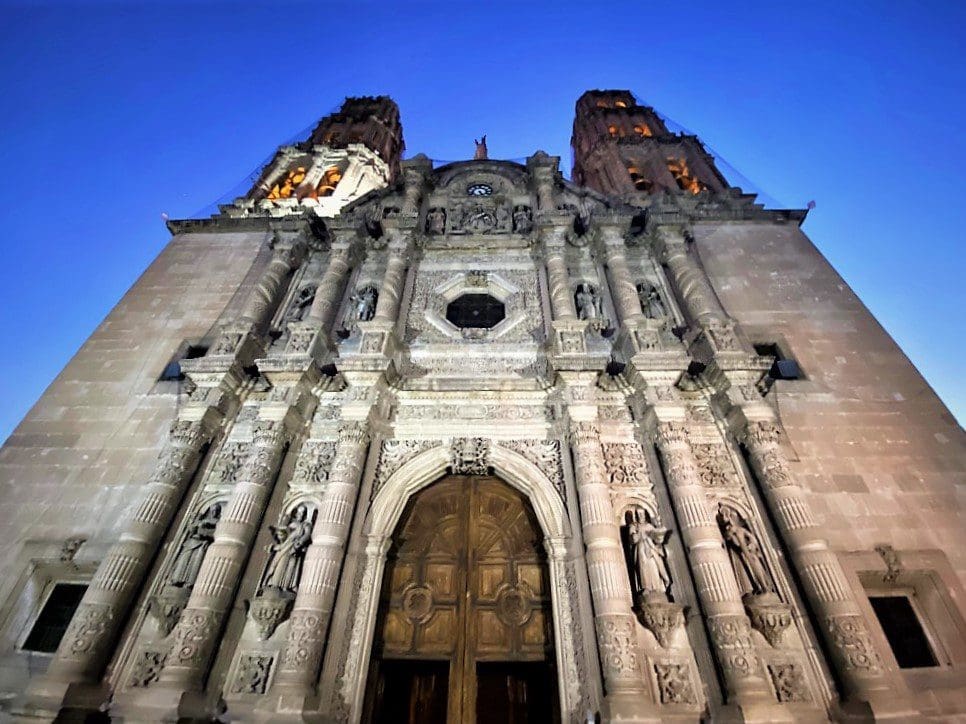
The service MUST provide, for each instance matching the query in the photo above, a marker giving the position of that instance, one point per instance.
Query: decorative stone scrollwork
(545, 454)
(230, 461)
(304, 637)
(393, 455)
(193, 637)
(769, 616)
(661, 618)
(852, 639)
(626, 465)
(86, 628)
(732, 638)
(715, 467)
(674, 683)
(314, 462)
(722, 335)
(167, 606)
(619, 648)
(470, 456)
(147, 668)
(252, 675)
(789, 683)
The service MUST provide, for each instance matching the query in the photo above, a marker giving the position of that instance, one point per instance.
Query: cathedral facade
(385, 441)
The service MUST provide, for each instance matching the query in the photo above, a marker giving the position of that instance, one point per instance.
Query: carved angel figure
(284, 567)
(198, 537)
(588, 302)
(522, 219)
(648, 555)
(651, 302)
(746, 554)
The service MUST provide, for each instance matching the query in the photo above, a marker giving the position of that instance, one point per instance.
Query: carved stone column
(302, 654)
(90, 639)
(266, 294)
(697, 296)
(614, 623)
(391, 289)
(553, 237)
(842, 624)
(624, 288)
(543, 171)
(414, 172)
(328, 295)
(198, 631)
(717, 588)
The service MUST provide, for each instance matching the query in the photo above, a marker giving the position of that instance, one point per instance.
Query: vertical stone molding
(713, 575)
(624, 288)
(558, 279)
(302, 654)
(390, 292)
(609, 587)
(414, 172)
(822, 576)
(198, 630)
(95, 627)
(696, 293)
(328, 295)
(266, 294)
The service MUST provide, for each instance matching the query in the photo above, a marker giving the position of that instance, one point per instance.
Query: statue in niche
(651, 302)
(284, 567)
(362, 305)
(436, 221)
(301, 304)
(198, 537)
(647, 555)
(588, 302)
(747, 557)
(522, 219)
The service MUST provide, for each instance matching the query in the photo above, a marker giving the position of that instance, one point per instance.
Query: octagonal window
(479, 311)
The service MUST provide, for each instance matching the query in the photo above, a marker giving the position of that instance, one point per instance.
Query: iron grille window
(51, 624)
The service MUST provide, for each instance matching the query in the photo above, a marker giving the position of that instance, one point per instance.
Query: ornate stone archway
(344, 676)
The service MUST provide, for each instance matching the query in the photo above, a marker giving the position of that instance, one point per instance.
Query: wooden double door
(464, 632)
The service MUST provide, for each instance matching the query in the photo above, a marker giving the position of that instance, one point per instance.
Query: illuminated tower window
(642, 130)
(612, 130)
(640, 183)
(286, 188)
(330, 179)
(686, 181)
(620, 104)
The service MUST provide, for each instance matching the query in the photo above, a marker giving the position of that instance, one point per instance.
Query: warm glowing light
(686, 181)
(620, 104)
(640, 183)
(330, 179)
(602, 104)
(612, 129)
(286, 188)
(642, 130)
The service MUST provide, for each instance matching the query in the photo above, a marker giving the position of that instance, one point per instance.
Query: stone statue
(651, 302)
(648, 556)
(284, 567)
(362, 305)
(199, 536)
(436, 221)
(746, 555)
(301, 304)
(522, 219)
(588, 302)
(480, 153)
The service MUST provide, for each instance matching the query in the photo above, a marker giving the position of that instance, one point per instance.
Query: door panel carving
(466, 584)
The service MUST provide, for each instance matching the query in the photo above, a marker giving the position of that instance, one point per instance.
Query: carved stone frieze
(252, 675)
(472, 411)
(314, 463)
(394, 454)
(626, 465)
(304, 638)
(674, 683)
(618, 645)
(470, 456)
(789, 683)
(715, 466)
(147, 668)
(229, 462)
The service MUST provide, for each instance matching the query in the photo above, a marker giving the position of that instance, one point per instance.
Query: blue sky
(114, 113)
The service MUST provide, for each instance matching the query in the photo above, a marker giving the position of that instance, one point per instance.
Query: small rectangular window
(172, 370)
(904, 631)
(784, 368)
(51, 624)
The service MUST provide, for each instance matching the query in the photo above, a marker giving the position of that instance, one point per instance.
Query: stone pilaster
(268, 291)
(414, 172)
(717, 588)
(198, 631)
(623, 286)
(615, 625)
(697, 296)
(328, 294)
(310, 620)
(93, 632)
(840, 620)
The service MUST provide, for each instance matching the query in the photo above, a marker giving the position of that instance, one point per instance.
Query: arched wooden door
(464, 632)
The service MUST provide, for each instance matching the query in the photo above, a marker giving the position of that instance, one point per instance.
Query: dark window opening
(784, 368)
(51, 624)
(476, 311)
(172, 370)
(903, 631)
